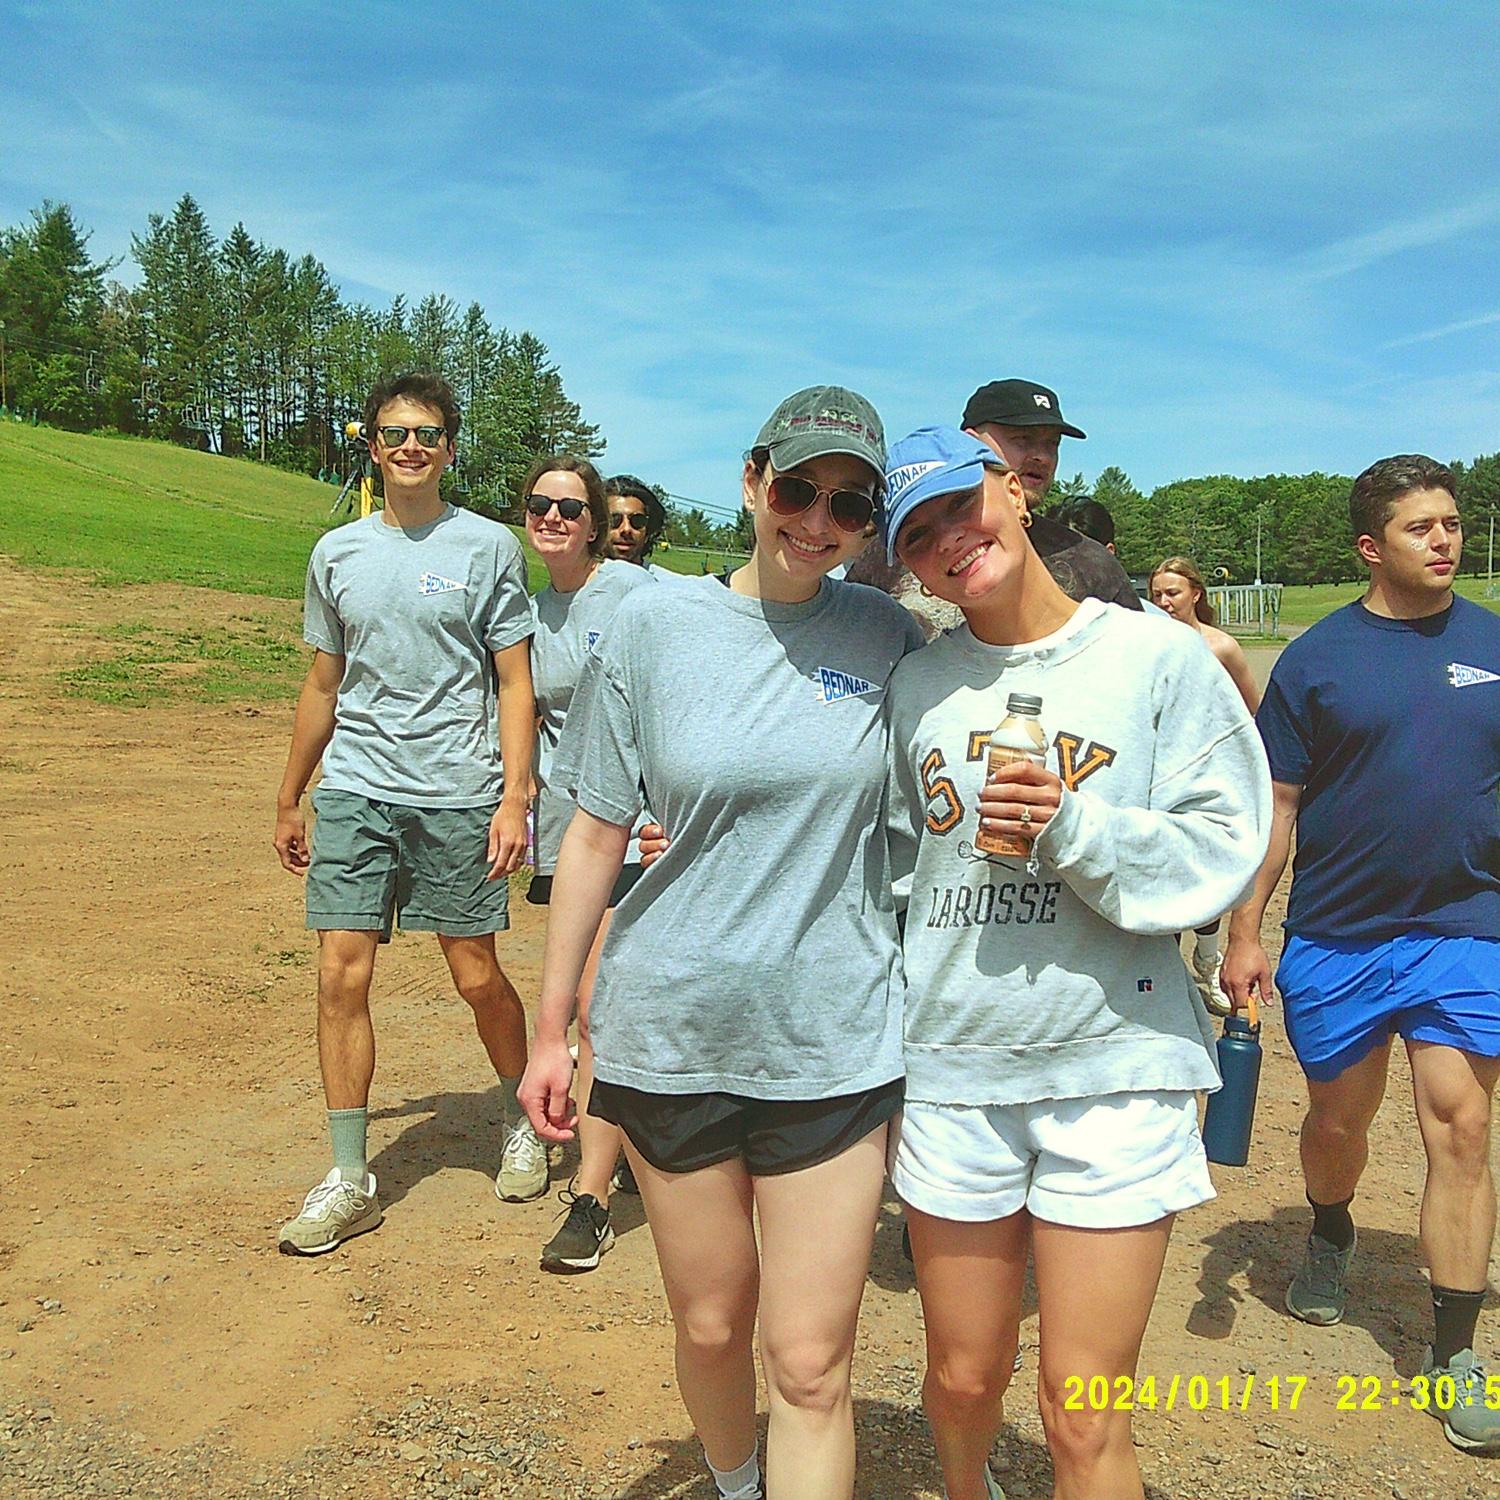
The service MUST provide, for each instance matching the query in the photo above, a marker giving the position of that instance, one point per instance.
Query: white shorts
(1109, 1161)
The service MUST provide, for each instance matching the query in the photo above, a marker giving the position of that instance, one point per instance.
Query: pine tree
(183, 319)
(51, 301)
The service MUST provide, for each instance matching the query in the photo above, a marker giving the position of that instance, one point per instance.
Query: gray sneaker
(1321, 1286)
(523, 1165)
(335, 1210)
(1469, 1415)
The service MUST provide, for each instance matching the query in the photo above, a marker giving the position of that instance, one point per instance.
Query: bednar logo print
(435, 583)
(908, 474)
(1461, 676)
(835, 686)
(1143, 986)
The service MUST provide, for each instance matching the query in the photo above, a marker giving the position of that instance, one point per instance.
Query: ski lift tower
(361, 472)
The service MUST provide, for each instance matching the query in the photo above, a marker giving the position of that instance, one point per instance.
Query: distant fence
(1247, 606)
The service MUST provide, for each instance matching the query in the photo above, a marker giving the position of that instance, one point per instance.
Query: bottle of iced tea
(1018, 736)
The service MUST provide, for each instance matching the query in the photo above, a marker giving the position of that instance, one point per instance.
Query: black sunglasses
(619, 518)
(790, 495)
(428, 437)
(569, 509)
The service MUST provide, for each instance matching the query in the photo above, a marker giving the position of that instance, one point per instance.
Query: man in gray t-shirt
(421, 629)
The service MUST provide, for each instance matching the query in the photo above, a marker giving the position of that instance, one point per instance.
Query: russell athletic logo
(435, 583)
(1461, 676)
(834, 686)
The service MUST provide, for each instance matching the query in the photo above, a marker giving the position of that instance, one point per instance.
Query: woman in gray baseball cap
(747, 1016)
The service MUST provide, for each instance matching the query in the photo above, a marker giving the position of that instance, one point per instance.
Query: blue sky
(1240, 239)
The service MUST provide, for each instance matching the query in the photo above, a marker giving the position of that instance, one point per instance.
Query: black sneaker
(583, 1238)
(624, 1180)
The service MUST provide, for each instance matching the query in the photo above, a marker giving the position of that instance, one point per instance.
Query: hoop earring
(1026, 519)
(925, 592)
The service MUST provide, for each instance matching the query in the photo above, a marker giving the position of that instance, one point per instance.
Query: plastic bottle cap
(1023, 703)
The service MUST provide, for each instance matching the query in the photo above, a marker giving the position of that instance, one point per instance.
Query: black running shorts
(685, 1132)
(539, 892)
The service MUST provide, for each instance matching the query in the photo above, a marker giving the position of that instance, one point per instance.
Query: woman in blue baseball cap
(1052, 1043)
(746, 1021)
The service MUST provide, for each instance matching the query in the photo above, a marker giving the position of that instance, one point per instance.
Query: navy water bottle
(1231, 1111)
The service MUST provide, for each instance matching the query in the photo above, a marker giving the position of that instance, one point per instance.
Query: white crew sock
(1207, 944)
(742, 1483)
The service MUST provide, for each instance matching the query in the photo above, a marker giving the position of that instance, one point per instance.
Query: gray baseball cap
(823, 419)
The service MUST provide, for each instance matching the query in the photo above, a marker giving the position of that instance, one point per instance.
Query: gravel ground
(472, 1444)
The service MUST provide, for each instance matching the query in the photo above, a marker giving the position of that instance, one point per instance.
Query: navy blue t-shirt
(1392, 729)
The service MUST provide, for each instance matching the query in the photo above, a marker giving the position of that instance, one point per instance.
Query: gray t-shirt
(758, 956)
(568, 626)
(416, 615)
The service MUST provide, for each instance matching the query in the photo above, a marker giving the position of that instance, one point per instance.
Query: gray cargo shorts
(423, 867)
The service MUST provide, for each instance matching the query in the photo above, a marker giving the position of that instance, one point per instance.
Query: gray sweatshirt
(1067, 981)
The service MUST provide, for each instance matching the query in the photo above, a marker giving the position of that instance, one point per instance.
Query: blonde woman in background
(1178, 588)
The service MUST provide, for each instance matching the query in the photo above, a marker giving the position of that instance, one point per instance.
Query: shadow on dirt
(1388, 1295)
(886, 1436)
(463, 1131)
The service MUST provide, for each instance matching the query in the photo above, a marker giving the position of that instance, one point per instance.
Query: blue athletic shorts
(1343, 1000)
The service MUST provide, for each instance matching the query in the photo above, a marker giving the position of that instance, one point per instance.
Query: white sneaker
(334, 1210)
(1206, 978)
(523, 1165)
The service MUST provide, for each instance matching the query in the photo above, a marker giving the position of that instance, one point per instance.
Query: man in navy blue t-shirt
(1382, 725)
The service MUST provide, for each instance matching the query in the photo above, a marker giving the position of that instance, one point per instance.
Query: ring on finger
(1025, 817)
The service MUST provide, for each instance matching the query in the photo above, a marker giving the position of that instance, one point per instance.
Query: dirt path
(159, 1092)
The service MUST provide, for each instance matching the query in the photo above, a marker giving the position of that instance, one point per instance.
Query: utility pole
(1257, 546)
(3, 402)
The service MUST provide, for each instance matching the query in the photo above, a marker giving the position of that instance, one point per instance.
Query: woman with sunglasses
(1053, 1046)
(746, 1021)
(567, 524)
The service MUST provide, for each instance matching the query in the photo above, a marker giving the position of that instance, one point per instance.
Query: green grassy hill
(125, 510)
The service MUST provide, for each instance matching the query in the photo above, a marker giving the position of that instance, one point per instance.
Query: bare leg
(346, 1037)
(1335, 1130)
(969, 1277)
(817, 1229)
(705, 1244)
(598, 1141)
(1453, 1092)
(1095, 1288)
(498, 1016)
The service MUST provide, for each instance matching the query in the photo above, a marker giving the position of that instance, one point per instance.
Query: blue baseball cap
(932, 461)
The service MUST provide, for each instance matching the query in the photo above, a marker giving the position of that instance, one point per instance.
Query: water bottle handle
(1252, 1011)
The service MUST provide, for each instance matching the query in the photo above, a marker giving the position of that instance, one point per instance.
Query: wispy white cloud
(1464, 325)
(1354, 252)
